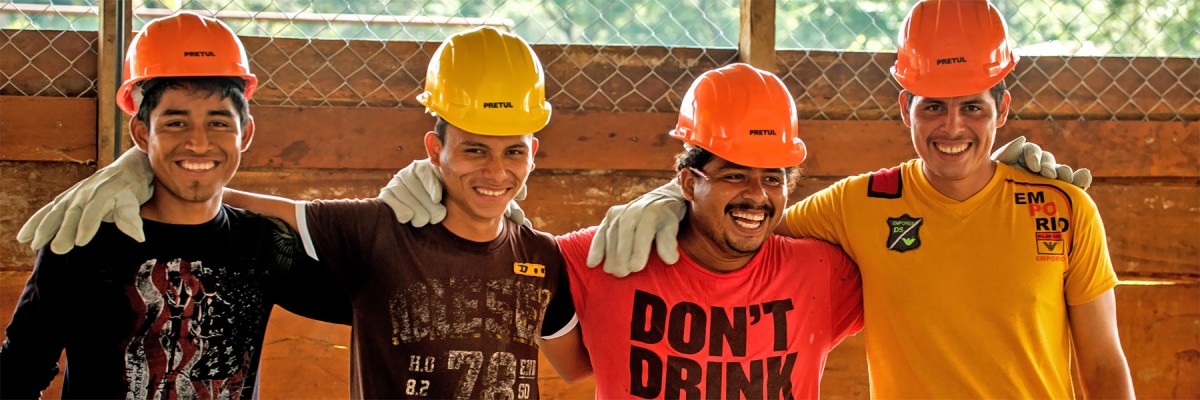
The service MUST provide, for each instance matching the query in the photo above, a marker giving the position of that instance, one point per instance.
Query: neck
(705, 251)
(963, 188)
(169, 210)
(473, 229)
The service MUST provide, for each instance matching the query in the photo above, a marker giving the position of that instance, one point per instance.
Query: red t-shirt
(683, 331)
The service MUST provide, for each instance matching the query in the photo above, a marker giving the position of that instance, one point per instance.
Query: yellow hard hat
(487, 82)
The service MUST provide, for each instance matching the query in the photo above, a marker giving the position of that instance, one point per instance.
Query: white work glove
(415, 195)
(1031, 157)
(113, 194)
(624, 238)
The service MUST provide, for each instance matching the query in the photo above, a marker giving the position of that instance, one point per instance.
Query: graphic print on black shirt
(181, 315)
(186, 328)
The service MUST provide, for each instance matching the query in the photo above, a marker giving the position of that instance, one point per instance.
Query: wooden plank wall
(1147, 189)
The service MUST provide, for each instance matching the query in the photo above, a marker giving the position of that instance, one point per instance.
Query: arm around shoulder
(1103, 369)
(272, 206)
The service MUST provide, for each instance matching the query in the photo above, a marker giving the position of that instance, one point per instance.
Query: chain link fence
(1101, 59)
(48, 50)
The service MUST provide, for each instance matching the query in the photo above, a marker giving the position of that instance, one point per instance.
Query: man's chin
(746, 247)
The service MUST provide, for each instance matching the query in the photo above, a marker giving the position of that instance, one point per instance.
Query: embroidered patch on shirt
(904, 233)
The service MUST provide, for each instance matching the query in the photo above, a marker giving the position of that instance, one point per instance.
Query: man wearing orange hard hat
(979, 279)
(743, 312)
(179, 312)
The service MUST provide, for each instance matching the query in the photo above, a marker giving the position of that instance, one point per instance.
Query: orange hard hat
(950, 48)
(744, 115)
(181, 45)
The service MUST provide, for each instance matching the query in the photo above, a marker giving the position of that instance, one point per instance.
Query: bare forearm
(271, 206)
(1110, 380)
(1102, 366)
(568, 356)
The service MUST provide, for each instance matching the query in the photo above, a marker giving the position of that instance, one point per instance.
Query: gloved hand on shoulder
(623, 241)
(113, 194)
(1030, 157)
(415, 196)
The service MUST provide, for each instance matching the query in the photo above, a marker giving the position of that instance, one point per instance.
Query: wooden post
(115, 26)
(756, 34)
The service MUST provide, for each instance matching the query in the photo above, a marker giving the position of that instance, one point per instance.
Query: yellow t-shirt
(965, 299)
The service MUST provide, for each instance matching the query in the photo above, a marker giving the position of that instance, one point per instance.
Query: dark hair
(996, 91)
(227, 87)
(439, 129)
(697, 157)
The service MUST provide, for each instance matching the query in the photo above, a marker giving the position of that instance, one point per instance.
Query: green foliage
(1044, 27)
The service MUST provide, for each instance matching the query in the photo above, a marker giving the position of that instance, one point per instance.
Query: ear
(533, 147)
(904, 108)
(140, 134)
(687, 182)
(433, 148)
(247, 134)
(1002, 108)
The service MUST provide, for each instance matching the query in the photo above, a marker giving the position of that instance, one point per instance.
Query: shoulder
(529, 234)
(579, 238)
(242, 219)
(808, 256)
(533, 239)
(1023, 180)
(804, 248)
(886, 183)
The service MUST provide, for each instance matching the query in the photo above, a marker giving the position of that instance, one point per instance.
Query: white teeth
(198, 166)
(486, 192)
(746, 224)
(952, 149)
(749, 216)
(747, 219)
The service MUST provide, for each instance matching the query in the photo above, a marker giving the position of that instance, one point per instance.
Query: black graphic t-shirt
(179, 316)
(437, 316)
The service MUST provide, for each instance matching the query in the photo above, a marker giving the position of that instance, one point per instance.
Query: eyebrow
(220, 113)
(211, 113)
(735, 167)
(473, 143)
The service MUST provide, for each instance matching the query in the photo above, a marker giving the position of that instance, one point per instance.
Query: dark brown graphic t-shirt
(437, 316)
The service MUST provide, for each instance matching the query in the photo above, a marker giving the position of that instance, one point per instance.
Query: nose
(197, 140)
(493, 168)
(955, 121)
(754, 190)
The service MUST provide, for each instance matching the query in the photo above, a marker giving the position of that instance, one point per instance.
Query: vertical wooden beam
(115, 25)
(756, 34)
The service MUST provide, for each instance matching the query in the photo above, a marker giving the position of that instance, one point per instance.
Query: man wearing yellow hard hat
(979, 280)
(180, 311)
(455, 310)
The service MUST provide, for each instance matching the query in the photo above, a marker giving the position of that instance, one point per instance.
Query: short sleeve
(574, 247)
(299, 283)
(1090, 270)
(820, 215)
(340, 231)
(560, 313)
